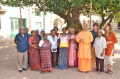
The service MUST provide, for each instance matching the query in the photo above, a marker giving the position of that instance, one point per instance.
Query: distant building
(32, 18)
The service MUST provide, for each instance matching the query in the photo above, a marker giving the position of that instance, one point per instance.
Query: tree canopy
(70, 10)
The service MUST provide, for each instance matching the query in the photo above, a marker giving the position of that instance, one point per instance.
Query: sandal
(110, 72)
(107, 71)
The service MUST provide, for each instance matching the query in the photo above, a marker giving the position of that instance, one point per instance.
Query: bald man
(84, 38)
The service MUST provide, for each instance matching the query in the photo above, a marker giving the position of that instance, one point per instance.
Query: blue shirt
(39, 37)
(28, 35)
(68, 34)
(22, 42)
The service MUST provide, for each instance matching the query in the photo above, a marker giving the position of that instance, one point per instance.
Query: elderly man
(100, 46)
(84, 38)
(22, 47)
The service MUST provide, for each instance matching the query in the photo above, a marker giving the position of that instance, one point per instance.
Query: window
(58, 23)
(24, 23)
(38, 25)
(37, 13)
(15, 23)
(0, 22)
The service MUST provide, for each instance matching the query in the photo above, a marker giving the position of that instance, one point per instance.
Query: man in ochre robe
(84, 38)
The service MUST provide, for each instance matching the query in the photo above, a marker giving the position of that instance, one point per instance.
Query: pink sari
(34, 54)
(72, 52)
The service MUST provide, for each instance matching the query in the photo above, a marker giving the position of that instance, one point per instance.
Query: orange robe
(84, 52)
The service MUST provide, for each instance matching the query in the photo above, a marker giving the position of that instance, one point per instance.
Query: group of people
(42, 51)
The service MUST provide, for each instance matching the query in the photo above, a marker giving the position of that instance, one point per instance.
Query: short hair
(100, 30)
(21, 28)
(44, 34)
(42, 31)
(63, 28)
(55, 28)
(68, 28)
(95, 24)
(33, 31)
(52, 30)
(26, 28)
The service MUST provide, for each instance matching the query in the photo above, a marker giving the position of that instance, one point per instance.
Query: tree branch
(110, 19)
(102, 14)
(111, 15)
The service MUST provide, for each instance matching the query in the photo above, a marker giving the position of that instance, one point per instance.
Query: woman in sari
(72, 49)
(34, 53)
(45, 54)
(63, 50)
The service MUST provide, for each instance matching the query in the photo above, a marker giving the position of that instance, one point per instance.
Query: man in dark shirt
(94, 33)
(22, 47)
(28, 35)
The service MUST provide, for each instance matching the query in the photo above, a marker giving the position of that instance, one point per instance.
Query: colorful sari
(72, 52)
(45, 57)
(34, 54)
(63, 55)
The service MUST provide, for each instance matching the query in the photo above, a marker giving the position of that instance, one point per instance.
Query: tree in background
(117, 17)
(70, 10)
(106, 9)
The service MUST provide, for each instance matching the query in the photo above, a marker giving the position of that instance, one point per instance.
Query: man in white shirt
(100, 46)
(54, 41)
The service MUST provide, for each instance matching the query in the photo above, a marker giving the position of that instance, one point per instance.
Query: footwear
(97, 69)
(25, 69)
(110, 72)
(106, 71)
(20, 71)
(50, 71)
(41, 72)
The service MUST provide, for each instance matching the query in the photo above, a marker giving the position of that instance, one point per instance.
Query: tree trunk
(21, 20)
(72, 17)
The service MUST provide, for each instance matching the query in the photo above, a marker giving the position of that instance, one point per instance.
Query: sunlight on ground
(25, 78)
(4, 47)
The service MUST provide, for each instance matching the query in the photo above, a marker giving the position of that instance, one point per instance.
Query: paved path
(8, 67)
